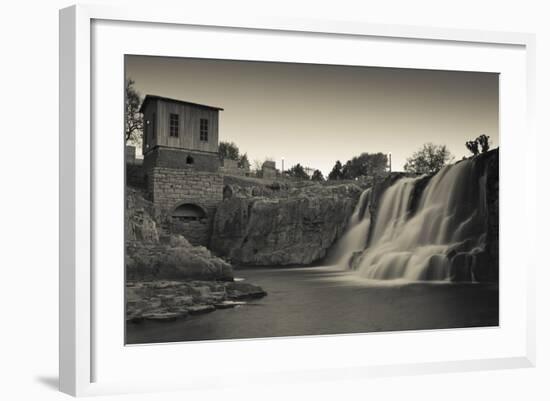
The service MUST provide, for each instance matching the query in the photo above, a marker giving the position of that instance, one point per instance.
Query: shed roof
(148, 98)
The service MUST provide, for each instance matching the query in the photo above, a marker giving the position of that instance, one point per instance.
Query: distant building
(269, 170)
(181, 164)
(231, 167)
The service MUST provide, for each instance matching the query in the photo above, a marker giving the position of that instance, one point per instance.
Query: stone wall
(181, 159)
(170, 188)
(130, 154)
(135, 175)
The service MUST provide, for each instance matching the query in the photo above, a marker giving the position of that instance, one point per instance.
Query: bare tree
(134, 119)
(257, 167)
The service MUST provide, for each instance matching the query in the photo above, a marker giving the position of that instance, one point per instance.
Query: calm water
(324, 300)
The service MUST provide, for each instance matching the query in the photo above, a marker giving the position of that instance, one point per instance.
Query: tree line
(364, 165)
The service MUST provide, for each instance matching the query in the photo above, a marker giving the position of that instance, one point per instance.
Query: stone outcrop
(140, 225)
(152, 253)
(293, 226)
(175, 259)
(490, 161)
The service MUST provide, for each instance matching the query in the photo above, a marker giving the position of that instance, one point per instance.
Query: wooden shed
(180, 125)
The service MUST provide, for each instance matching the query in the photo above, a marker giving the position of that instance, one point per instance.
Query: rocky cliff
(140, 225)
(490, 161)
(278, 226)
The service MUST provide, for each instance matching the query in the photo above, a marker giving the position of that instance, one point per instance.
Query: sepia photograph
(272, 199)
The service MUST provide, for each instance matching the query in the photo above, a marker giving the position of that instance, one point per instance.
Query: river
(327, 300)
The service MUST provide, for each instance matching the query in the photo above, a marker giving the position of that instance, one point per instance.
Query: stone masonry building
(181, 164)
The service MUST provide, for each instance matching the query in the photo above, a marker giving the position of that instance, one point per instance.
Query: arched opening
(190, 160)
(188, 212)
(227, 192)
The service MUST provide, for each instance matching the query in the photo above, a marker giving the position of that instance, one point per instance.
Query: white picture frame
(84, 350)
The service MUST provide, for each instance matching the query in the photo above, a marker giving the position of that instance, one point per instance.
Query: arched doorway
(191, 221)
(188, 212)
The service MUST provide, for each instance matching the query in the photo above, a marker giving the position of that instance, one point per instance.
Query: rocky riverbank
(164, 300)
(168, 278)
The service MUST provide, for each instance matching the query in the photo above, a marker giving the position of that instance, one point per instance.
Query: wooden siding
(151, 115)
(189, 130)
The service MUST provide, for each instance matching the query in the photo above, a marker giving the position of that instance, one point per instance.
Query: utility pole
(283, 165)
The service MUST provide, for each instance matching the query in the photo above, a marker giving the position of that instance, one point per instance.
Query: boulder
(240, 290)
(177, 259)
(200, 309)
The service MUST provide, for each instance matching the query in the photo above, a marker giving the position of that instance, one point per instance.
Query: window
(204, 130)
(189, 160)
(174, 125)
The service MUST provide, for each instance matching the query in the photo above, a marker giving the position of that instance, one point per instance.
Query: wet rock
(162, 316)
(461, 267)
(154, 303)
(436, 269)
(213, 297)
(183, 300)
(229, 304)
(355, 260)
(491, 159)
(200, 309)
(483, 269)
(240, 290)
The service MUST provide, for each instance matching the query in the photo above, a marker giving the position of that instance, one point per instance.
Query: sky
(316, 114)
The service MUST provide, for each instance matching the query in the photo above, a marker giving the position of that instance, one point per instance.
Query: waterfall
(433, 233)
(355, 237)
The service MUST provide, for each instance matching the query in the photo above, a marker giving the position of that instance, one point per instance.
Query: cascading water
(438, 236)
(355, 238)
